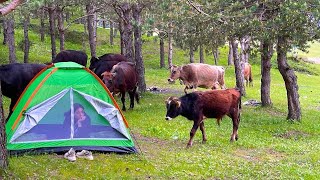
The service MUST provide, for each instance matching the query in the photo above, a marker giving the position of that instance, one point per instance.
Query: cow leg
(192, 133)
(136, 95)
(12, 103)
(123, 99)
(204, 137)
(131, 95)
(235, 116)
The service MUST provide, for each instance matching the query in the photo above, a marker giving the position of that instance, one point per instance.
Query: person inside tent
(81, 122)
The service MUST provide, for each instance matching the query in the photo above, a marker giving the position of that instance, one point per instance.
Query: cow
(195, 75)
(71, 55)
(105, 63)
(15, 78)
(197, 106)
(121, 79)
(247, 73)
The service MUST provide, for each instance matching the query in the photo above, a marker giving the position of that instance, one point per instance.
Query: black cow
(105, 63)
(15, 77)
(73, 56)
(197, 106)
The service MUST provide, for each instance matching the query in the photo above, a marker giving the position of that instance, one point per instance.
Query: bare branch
(10, 7)
(197, 8)
(69, 24)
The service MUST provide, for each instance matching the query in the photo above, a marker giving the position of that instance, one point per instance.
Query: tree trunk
(60, 27)
(67, 16)
(238, 68)
(104, 24)
(84, 39)
(215, 52)
(242, 50)
(90, 23)
(5, 32)
(115, 31)
(230, 55)
(162, 63)
(26, 48)
(191, 53)
(42, 16)
(201, 53)
(170, 42)
(122, 45)
(136, 12)
(3, 150)
(95, 25)
(290, 79)
(111, 33)
(245, 48)
(127, 31)
(10, 39)
(266, 54)
(51, 11)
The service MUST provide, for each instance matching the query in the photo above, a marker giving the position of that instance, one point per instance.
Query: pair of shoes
(85, 154)
(70, 155)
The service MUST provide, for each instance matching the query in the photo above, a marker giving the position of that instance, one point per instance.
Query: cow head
(93, 63)
(174, 73)
(173, 105)
(107, 78)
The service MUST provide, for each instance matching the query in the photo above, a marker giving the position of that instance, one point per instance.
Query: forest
(277, 139)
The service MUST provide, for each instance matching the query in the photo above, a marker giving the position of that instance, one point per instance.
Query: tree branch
(197, 8)
(10, 7)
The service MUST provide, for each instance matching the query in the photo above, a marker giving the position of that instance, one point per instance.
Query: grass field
(269, 146)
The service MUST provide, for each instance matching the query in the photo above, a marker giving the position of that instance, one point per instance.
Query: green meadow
(269, 146)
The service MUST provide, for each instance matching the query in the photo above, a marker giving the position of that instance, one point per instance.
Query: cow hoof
(189, 145)
(204, 141)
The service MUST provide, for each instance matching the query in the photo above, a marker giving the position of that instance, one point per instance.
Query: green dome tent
(38, 122)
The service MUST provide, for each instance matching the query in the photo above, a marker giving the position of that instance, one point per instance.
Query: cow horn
(179, 103)
(103, 73)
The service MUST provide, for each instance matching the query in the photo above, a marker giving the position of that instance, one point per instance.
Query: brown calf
(209, 104)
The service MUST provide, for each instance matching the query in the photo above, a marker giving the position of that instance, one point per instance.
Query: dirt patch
(258, 155)
(147, 144)
(157, 90)
(295, 135)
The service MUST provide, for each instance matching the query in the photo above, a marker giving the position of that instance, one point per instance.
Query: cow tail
(239, 104)
(250, 76)
(239, 109)
(136, 94)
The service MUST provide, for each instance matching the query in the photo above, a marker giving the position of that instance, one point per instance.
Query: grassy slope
(269, 147)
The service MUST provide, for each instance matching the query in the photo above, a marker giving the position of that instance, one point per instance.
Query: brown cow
(208, 104)
(247, 73)
(122, 78)
(195, 75)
